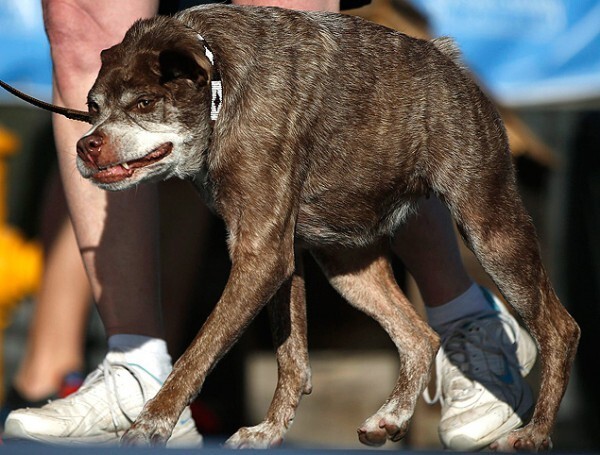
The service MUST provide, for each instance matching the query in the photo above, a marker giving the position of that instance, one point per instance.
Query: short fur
(331, 128)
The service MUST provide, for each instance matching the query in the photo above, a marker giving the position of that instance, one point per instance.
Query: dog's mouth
(122, 171)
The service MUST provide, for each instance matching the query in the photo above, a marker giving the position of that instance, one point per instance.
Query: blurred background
(539, 60)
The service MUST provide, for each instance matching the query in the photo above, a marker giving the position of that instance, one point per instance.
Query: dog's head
(149, 106)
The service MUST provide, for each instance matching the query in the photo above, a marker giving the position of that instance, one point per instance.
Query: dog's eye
(144, 104)
(93, 107)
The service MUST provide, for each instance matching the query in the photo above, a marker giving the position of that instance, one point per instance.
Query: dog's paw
(381, 427)
(525, 439)
(261, 436)
(146, 434)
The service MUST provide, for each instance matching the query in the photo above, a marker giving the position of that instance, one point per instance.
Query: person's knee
(74, 36)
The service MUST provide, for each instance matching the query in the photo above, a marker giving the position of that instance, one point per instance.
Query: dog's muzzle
(90, 150)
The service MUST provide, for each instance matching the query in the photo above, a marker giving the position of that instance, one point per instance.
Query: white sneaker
(480, 369)
(100, 412)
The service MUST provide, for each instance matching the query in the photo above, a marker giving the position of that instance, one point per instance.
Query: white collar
(216, 87)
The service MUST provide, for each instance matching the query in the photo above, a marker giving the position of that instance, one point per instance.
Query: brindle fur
(331, 128)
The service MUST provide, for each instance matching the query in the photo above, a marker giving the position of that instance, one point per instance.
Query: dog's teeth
(125, 165)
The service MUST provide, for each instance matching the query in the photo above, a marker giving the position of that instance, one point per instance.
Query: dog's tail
(450, 49)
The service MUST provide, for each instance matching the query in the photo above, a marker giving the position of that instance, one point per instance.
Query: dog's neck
(215, 82)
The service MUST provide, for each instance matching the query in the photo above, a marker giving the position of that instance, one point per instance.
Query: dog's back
(348, 94)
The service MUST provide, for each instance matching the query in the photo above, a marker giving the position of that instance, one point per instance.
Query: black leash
(72, 114)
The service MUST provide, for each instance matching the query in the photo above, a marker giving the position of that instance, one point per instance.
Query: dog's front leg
(260, 264)
(287, 314)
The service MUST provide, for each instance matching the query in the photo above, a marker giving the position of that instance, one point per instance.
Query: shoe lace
(107, 371)
(454, 349)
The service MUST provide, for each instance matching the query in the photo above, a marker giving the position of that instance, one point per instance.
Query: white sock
(471, 302)
(148, 352)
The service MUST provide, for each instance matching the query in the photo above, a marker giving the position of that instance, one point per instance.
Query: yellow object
(20, 260)
(9, 144)
(20, 270)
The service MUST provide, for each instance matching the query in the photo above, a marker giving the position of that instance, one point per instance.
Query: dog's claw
(522, 440)
(261, 436)
(372, 438)
(141, 440)
(377, 429)
(158, 440)
(145, 436)
(133, 439)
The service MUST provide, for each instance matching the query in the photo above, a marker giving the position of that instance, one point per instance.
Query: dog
(318, 131)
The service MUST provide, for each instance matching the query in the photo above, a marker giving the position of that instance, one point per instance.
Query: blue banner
(24, 51)
(526, 52)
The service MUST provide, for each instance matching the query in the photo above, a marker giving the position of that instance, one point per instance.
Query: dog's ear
(183, 64)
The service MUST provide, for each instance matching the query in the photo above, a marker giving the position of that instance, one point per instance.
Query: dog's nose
(89, 147)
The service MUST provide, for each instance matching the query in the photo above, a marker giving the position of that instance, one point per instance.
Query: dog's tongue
(112, 174)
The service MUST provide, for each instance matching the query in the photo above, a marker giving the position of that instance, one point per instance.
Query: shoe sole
(15, 430)
(518, 419)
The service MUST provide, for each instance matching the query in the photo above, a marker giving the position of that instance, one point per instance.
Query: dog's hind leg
(365, 278)
(287, 315)
(486, 205)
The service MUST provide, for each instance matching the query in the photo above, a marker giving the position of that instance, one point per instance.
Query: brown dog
(326, 131)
